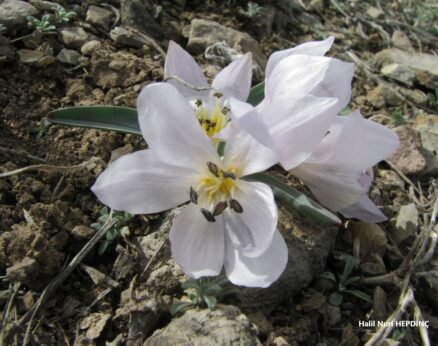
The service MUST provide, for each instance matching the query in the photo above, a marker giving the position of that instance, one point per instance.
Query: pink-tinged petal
(318, 48)
(181, 64)
(171, 129)
(259, 271)
(244, 153)
(139, 183)
(235, 79)
(255, 227)
(315, 75)
(196, 244)
(335, 189)
(297, 124)
(355, 143)
(364, 210)
(248, 118)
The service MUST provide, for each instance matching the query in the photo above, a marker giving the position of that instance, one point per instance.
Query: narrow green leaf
(329, 276)
(256, 94)
(121, 119)
(211, 301)
(179, 307)
(336, 299)
(297, 200)
(359, 294)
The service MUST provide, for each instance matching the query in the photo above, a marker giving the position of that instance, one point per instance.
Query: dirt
(45, 216)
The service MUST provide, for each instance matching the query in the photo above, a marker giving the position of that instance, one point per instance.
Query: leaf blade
(113, 118)
(297, 200)
(256, 94)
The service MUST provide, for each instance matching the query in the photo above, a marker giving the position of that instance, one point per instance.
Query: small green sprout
(398, 118)
(252, 9)
(202, 292)
(42, 25)
(343, 284)
(3, 29)
(117, 231)
(63, 16)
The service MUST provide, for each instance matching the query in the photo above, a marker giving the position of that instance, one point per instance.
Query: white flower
(339, 172)
(229, 222)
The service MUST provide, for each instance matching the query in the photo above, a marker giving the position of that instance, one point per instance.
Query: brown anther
(207, 121)
(213, 168)
(218, 95)
(225, 110)
(198, 103)
(236, 206)
(229, 175)
(213, 124)
(219, 208)
(208, 215)
(193, 196)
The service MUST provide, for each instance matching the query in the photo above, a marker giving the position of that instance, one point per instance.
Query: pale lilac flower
(339, 172)
(229, 222)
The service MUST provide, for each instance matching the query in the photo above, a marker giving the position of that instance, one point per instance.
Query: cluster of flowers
(231, 222)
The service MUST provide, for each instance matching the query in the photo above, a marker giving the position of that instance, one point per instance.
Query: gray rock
(43, 5)
(406, 224)
(28, 56)
(383, 95)
(68, 56)
(99, 17)
(424, 65)
(205, 33)
(91, 46)
(375, 13)
(408, 157)
(400, 40)
(138, 14)
(414, 95)
(7, 52)
(400, 73)
(13, 13)
(224, 326)
(126, 37)
(72, 37)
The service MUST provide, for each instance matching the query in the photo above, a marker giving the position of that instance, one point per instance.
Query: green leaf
(179, 307)
(102, 247)
(121, 119)
(348, 268)
(191, 283)
(359, 294)
(329, 276)
(336, 299)
(211, 301)
(351, 280)
(256, 94)
(297, 200)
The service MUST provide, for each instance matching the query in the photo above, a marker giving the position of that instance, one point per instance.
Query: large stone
(68, 56)
(14, 13)
(424, 65)
(400, 73)
(204, 33)
(224, 326)
(72, 37)
(99, 17)
(382, 95)
(408, 157)
(406, 224)
(138, 14)
(125, 37)
(400, 40)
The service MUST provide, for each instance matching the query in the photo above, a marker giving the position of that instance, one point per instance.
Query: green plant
(118, 230)
(345, 284)
(3, 29)
(63, 16)
(42, 25)
(202, 292)
(398, 118)
(252, 9)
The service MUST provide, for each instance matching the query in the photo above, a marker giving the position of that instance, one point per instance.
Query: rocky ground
(104, 52)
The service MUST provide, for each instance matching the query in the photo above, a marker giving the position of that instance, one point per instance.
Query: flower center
(212, 122)
(215, 192)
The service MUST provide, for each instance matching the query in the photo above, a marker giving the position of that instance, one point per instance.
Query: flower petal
(244, 153)
(315, 75)
(171, 129)
(235, 79)
(355, 143)
(255, 227)
(364, 210)
(181, 64)
(297, 124)
(139, 183)
(335, 189)
(259, 271)
(196, 244)
(318, 48)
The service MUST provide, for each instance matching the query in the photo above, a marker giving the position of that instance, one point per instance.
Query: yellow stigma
(215, 188)
(211, 123)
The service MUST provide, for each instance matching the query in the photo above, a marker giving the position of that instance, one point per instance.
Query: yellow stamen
(211, 123)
